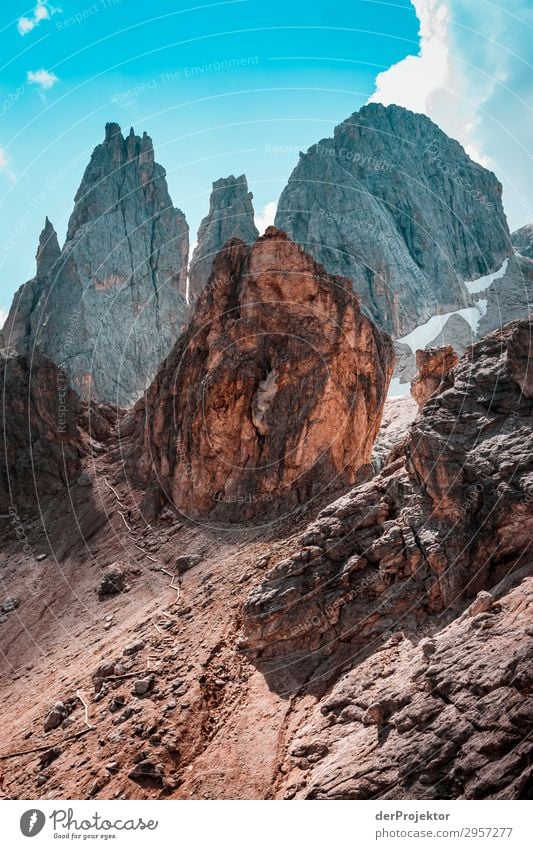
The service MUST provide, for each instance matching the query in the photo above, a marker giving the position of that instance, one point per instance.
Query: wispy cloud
(44, 79)
(4, 166)
(265, 217)
(43, 11)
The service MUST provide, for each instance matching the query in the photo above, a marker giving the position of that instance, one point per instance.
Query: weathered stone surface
(110, 309)
(447, 718)
(457, 333)
(41, 446)
(231, 214)
(272, 396)
(16, 332)
(522, 240)
(445, 518)
(398, 207)
(398, 414)
(432, 365)
(510, 297)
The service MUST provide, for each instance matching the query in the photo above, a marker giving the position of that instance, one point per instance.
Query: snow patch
(482, 283)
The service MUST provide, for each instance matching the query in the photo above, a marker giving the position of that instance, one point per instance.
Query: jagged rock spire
(231, 213)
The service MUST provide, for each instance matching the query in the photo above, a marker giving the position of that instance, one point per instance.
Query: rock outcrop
(450, 514)
(522, 240)
(445, 717)
(510, 297)
(274, 394)
(457, 333)
(41, 447)
(16, 332)
(111, 310)
(432, 366)
(231, 214)
(398, 207)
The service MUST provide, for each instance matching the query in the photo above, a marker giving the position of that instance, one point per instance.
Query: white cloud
(44, 79)
(412, 81)
(41, 12)
(3, 316)
(266, 217)
(472, 76)
(4, 166)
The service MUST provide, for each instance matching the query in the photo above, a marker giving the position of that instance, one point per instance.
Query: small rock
(54, 718)
(50, 755)
(147, 770)
(142, 685)
(112, 766)
(10, 604)
(186, 562)
(113, 582)
(117, 702)
(42, 556)
(482, 603)
(374, 715)
(133, 648)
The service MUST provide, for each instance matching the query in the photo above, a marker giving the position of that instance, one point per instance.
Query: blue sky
(241, 86)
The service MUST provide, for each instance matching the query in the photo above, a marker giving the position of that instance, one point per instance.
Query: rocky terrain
(108, 309)
(398, 207)
(522, 240)
(231, 214)
(381, 649)
(264, 579)
(449, 514)
(271, 398)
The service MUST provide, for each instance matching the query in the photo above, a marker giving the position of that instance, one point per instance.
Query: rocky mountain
(522, 240)
(398, 207)
(273, 395)
(509, 298)
(16, 332)
(110, 309)
(231, 214)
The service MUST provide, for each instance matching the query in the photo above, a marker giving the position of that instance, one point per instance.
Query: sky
(242, 86)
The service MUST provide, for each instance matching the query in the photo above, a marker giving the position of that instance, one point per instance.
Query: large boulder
(274, 394)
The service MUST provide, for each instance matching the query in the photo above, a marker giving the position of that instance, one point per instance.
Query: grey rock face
(509, 298)
(231, 213)
(522, 240)
(110, 309)
(397, 206)
(456, 332)
(16, 331)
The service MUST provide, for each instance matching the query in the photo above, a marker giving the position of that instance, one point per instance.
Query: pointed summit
(48, 250)
(122, 265)
(231, 213)
(17, 329)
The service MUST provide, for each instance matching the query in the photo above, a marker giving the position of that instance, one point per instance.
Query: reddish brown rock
(428, 719)
(38, 420)
(450, 513)
(432, 366)
(273, 395)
